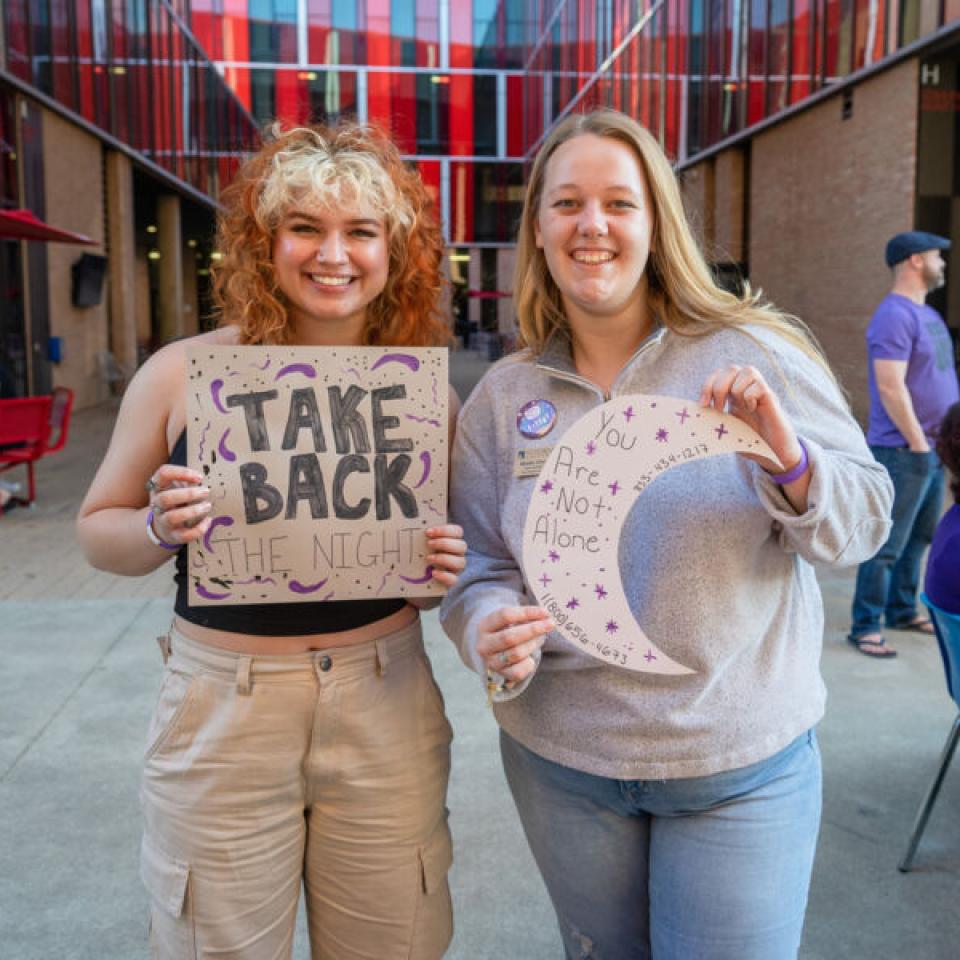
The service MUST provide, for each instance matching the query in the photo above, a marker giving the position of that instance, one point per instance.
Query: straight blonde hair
(682, 291)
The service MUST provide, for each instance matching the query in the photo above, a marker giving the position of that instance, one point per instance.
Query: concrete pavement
(80, 677)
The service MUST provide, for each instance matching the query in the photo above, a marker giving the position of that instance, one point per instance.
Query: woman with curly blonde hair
(672, 815)
(299, 744)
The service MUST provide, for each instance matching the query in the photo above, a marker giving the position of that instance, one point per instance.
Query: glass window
(485, 115)
(778, 56)
(17, 38)
(498, 201)
(485, 33)
(41, 59)
(433, 113)
(273, 30)
(757, 62)
(403, 25)
(839, 38)
(801, 51)
(333, 95)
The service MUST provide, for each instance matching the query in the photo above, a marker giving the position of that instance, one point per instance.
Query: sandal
(873, 645)
(918, 624)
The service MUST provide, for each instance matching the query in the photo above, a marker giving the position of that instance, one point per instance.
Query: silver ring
(502, 658)
(151, 485)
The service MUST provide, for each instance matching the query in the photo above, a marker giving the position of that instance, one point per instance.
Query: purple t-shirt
(942, 583)
(903, 330)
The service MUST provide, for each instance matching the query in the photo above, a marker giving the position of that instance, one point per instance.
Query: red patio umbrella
(24, 225)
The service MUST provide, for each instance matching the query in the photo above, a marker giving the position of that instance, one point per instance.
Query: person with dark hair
(942, 581)
(671, 815)
(913, 380)
(300, 744)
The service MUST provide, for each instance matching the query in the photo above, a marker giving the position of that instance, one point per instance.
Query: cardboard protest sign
(584, 491)
(326, 466)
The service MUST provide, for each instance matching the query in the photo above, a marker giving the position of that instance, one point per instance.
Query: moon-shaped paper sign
(599, 467)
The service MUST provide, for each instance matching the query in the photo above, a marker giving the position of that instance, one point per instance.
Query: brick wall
(73, 181)
(825, 195)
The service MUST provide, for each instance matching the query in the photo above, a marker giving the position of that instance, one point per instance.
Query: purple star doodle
(683, 414)
(720, 431)
(662, 435)
(649, 655)
(612, 626)
(628, 413)
(591, 448)
(599, 591)
(573, 603)
(553, 556)
(614, 487)
(546, 486)
(545, 579)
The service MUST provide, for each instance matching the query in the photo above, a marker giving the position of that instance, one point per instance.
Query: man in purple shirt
(913, 381)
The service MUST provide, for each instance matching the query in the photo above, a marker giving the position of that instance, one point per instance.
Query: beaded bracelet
(795, 472)
(152, 534)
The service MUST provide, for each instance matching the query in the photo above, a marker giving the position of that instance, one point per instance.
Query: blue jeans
(704, 868)
(887, 584)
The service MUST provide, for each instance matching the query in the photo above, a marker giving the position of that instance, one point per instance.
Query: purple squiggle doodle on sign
(303, 368)
(297, 587)
(224, 450)
(264, 367)
(427, 575)
(425, 460)
(433, 423)
(405, 358)
(215, 387)
(202, 591)
(216, 522)
(203, 440)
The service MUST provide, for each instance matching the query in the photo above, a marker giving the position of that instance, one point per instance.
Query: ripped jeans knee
(579, 945)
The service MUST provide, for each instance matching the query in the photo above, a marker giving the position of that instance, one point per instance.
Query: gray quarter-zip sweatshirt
(716, 565)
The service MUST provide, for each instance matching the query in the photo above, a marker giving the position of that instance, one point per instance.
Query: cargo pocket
(433, 925)
(171, 924)
(176, 692)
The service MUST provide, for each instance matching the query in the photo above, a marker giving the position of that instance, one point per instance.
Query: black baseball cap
(904, 245)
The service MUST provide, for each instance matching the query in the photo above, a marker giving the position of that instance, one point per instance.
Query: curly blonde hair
(682, 290)
(325, 166)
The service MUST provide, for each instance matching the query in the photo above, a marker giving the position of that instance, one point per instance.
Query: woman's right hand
(181, 504)
(508, 638)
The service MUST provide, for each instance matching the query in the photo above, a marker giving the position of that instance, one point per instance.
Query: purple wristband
(154, 538)
(796, 472)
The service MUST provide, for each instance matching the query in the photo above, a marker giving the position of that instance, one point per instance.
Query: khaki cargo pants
(326, 768)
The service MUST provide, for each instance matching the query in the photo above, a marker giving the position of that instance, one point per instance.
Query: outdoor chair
(948, 637)
(31, 428)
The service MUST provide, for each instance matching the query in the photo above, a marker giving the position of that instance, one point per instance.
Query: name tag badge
(530, 460)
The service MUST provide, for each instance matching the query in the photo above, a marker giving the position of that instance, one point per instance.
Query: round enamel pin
(536, 418)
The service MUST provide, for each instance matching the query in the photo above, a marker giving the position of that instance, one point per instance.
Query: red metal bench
(30, 428)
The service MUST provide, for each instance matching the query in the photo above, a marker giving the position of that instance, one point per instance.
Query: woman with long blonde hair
(671, 815)
(303, 743)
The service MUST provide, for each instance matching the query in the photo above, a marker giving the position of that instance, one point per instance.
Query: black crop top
(274, 619)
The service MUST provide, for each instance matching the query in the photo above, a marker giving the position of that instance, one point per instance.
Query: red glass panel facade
(468, 88)
(129, 68)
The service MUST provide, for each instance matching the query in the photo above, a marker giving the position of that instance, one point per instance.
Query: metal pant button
(325, 663)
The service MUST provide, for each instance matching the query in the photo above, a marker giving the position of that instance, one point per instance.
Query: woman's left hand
(747, 396)
(448, 551)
